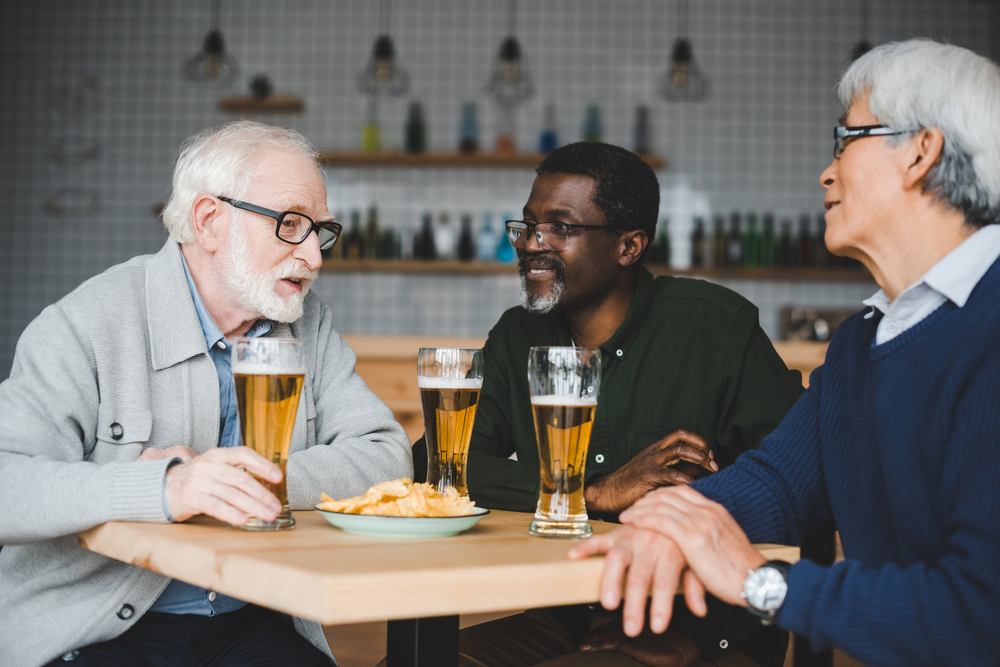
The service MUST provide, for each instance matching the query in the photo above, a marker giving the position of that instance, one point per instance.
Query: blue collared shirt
(179, 597)
(951, 279)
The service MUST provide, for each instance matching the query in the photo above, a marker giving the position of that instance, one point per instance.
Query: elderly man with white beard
(121, 406)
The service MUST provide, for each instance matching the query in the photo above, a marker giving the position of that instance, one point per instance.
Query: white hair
(219, 161)
(921, 83)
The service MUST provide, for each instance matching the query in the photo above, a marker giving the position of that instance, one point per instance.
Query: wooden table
(323, 574)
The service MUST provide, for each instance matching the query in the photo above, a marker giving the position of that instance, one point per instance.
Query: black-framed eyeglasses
(843, 135)
(550, 235)
(294, 227)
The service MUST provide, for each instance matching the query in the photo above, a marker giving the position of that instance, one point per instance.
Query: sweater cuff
(805, 579)
(136, 492)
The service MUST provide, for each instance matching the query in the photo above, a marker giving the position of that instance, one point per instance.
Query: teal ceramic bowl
(397, 526)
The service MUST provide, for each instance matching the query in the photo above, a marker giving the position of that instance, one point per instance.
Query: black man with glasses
(121, 406)
(690, 381)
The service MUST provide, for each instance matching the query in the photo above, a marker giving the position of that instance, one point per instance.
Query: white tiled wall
(758, 142)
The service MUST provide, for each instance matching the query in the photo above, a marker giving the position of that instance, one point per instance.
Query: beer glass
(450, 380)
(564, 383)
(269, 373)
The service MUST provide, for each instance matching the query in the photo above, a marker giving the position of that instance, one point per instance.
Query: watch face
(765, 589)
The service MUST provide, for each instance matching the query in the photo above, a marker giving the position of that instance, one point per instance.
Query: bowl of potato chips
(402, 508)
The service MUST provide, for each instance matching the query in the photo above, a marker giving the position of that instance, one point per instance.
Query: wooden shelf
(472, 268)
(437, 160)
(269, 104)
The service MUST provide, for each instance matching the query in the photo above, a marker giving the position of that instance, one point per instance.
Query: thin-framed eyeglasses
(844, 135)
(293, 227)
(550, 235)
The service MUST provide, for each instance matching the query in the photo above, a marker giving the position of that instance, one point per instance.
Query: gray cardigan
(126, 347)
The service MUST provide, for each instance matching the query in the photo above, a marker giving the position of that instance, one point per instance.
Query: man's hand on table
(674, 459)
(218, 483)
(669, 534)
(670, 649)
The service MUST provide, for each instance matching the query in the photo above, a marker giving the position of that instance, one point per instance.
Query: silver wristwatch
(765, 589)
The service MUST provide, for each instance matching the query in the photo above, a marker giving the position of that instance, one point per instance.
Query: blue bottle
(505, 251)
(548, 140)
(488, 241)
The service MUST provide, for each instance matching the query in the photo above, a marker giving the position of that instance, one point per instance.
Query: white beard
(254, 293)
(540, 305)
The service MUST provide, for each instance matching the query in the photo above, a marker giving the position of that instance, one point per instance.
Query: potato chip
(401, 497)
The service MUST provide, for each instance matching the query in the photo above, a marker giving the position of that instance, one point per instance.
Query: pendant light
(384, 75)
(682, 80)
(510, 82)
(862, 46)
(212, 65)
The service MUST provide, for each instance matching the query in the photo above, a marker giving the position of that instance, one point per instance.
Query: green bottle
(751, 242)
(767, 241)
(373, 239)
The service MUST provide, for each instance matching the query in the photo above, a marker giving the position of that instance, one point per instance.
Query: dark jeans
(250, 637)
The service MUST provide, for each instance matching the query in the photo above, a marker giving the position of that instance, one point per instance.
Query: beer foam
(566, 400)
(449, 383)
(244, 368)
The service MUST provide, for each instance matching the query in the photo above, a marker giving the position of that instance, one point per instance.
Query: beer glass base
(285, 521)
(542, 527)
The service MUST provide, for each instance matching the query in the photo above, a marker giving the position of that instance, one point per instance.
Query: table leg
(422, 642)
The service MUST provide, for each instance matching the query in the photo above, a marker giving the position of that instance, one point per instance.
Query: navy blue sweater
(900, 444)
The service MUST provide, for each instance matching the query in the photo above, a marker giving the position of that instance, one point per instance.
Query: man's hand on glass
(669, 535)
(218, 483)
(677, 458)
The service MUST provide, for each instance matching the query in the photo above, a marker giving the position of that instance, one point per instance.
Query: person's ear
(922, 153)
(631, 246)
(205, 218)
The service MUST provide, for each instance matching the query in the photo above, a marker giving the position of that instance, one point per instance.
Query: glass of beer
(450, 380)
(564, 384)
(269, 373)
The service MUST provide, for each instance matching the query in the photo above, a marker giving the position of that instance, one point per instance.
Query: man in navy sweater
(898, 435)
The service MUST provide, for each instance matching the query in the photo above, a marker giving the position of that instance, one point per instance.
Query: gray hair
(219, 161)
(921, 83)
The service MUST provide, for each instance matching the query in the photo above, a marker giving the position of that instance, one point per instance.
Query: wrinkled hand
(670, 649)
(644, 560)
(218, 483)
(674, 459)
(712, 543)
(185, 454)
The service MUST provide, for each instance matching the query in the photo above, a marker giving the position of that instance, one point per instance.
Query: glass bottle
(505, 251)
(592, 127)
(641, 134)
(822, 255)
(698, 243)
(423, 242)
(468, 133)
(373, 241)
(416, 129)
(806, 257)
(548, 140)
(466, 244)
(355, 242)
(486, 244)
(734, 241)
(506, 144)
(751, 242)
(444, 238)
(767, 241)
(371, 133)
(785, 255)
(718, 241)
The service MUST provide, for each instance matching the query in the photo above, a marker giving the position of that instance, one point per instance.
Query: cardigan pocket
(121, 432)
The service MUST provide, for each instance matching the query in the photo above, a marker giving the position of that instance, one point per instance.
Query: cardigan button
(126, 612)
(117, 431)
(724, 644)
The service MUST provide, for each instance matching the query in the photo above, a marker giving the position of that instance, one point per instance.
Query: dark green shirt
(689, 354)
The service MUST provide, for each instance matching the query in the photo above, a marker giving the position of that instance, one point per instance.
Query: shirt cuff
(163, 493)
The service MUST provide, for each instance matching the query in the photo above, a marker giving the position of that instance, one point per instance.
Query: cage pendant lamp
(510, 83)
(683, 81)
(384, 75)
(212, 65)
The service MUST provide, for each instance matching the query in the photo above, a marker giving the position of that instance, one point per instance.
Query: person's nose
(531, 242)
(308, 252)
(829, 175)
